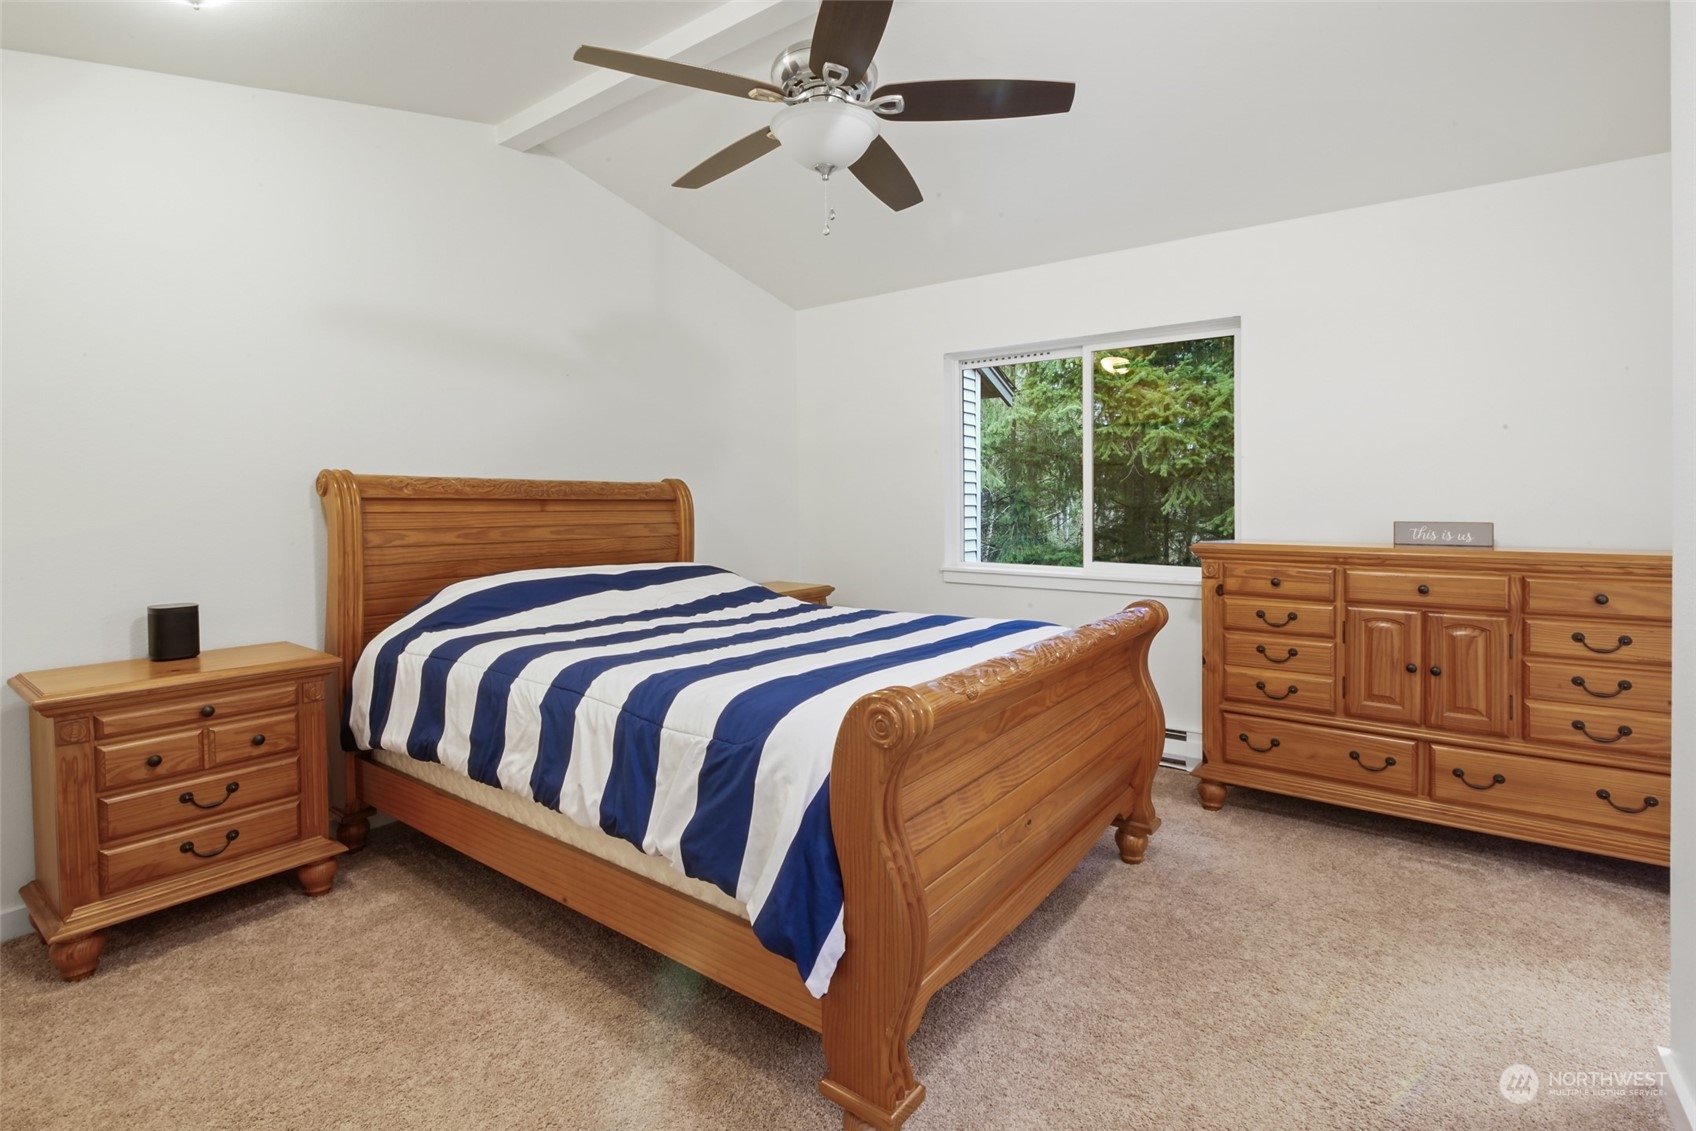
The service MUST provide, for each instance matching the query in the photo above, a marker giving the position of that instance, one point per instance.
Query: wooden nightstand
(155, 783)
(802, 590)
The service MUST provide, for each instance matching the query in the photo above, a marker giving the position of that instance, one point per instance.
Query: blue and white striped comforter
(678, 706)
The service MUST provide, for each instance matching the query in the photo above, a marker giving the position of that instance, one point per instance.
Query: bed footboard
(957, 807)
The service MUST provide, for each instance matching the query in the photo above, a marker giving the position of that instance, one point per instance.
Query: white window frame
(1093, 576)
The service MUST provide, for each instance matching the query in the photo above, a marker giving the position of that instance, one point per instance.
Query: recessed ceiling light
(199, 4)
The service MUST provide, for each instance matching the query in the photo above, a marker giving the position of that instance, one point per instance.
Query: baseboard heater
(1182, 750)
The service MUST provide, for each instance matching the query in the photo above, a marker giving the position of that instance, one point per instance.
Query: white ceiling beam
(701, 41)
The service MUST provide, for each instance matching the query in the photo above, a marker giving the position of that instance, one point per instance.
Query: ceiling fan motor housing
(793, 72)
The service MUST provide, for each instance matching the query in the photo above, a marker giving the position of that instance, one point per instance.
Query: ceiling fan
(833, 108)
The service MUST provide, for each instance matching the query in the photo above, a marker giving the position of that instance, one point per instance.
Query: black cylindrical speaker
(173, 632)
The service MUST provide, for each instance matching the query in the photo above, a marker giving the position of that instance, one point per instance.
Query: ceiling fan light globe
(826, 132)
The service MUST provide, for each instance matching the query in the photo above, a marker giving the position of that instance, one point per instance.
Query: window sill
(1175, 586)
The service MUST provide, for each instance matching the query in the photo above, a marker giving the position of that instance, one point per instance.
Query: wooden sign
(1470, 535)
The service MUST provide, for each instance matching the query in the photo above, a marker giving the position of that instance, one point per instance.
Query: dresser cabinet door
(1468, 668)
(1385, 668)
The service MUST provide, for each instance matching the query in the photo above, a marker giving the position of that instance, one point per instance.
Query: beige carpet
(1274, 965)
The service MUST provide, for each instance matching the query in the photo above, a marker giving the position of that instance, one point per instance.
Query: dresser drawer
(258, 736)
(1295, 690)
(1388, 764)
(1590, 684)
(1547, 788)
(1304, 583)
(146, 759)
(188, 801)
(1315, 657)
(1598, 597)
(1614, 729)
(207, 845)
(1599, 640)
(191, 710)
(1280, 618)
(1435, 588)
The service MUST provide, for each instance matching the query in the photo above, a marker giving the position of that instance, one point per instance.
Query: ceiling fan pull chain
(829, 212)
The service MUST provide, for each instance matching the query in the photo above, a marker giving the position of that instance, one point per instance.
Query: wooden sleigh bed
(956, 806)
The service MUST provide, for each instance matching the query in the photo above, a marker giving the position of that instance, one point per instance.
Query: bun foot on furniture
(1212, 794)
(317, 877)
(353, 828)
(76, 959)
(1132, 844)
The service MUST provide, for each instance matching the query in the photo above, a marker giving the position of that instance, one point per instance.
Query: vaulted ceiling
(1190, 117)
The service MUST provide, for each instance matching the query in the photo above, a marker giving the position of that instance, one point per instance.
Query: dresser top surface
(1635, 561)
(67, 687)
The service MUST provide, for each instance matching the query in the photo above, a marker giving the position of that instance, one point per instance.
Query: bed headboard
(395, 540)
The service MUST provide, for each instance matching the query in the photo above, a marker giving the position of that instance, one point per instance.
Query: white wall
(211, 292)
(1498, 354)
(1682, 1060)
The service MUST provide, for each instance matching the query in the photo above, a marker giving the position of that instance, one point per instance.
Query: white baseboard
(14, 921)
(1680, 1092)
(1181, 753)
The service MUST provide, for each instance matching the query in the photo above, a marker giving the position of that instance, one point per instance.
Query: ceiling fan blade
(681, 73)
(847, 33)
(887, 177)
(958, 100)
(729, 159)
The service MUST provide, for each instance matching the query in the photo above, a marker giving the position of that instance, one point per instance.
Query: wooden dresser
(1521, 693)
(155, 783)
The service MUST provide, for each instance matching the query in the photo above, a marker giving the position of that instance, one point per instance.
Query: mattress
(677, 707)
(552, 823)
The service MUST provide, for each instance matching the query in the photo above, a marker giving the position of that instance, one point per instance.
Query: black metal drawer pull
(1413, 669)
(1261, 648)
(208, 711)
(1624, 642)
(1261, 613)
(1260, 685)
(1495, 780)
(1436, 670)
(1624, 686)
(1389, 760)
(259, 740)
(1276, 583)
(187, 797)
(1649, 802)
(1424, 590)
(1578, 725)
(153, 761)
(1243, 738)
(1602, 599)
(229, 839)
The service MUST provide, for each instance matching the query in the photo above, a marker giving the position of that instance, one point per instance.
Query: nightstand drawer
(146, 759)
(188, 801)
(206, 845)
(255, 737)
(194, 710)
